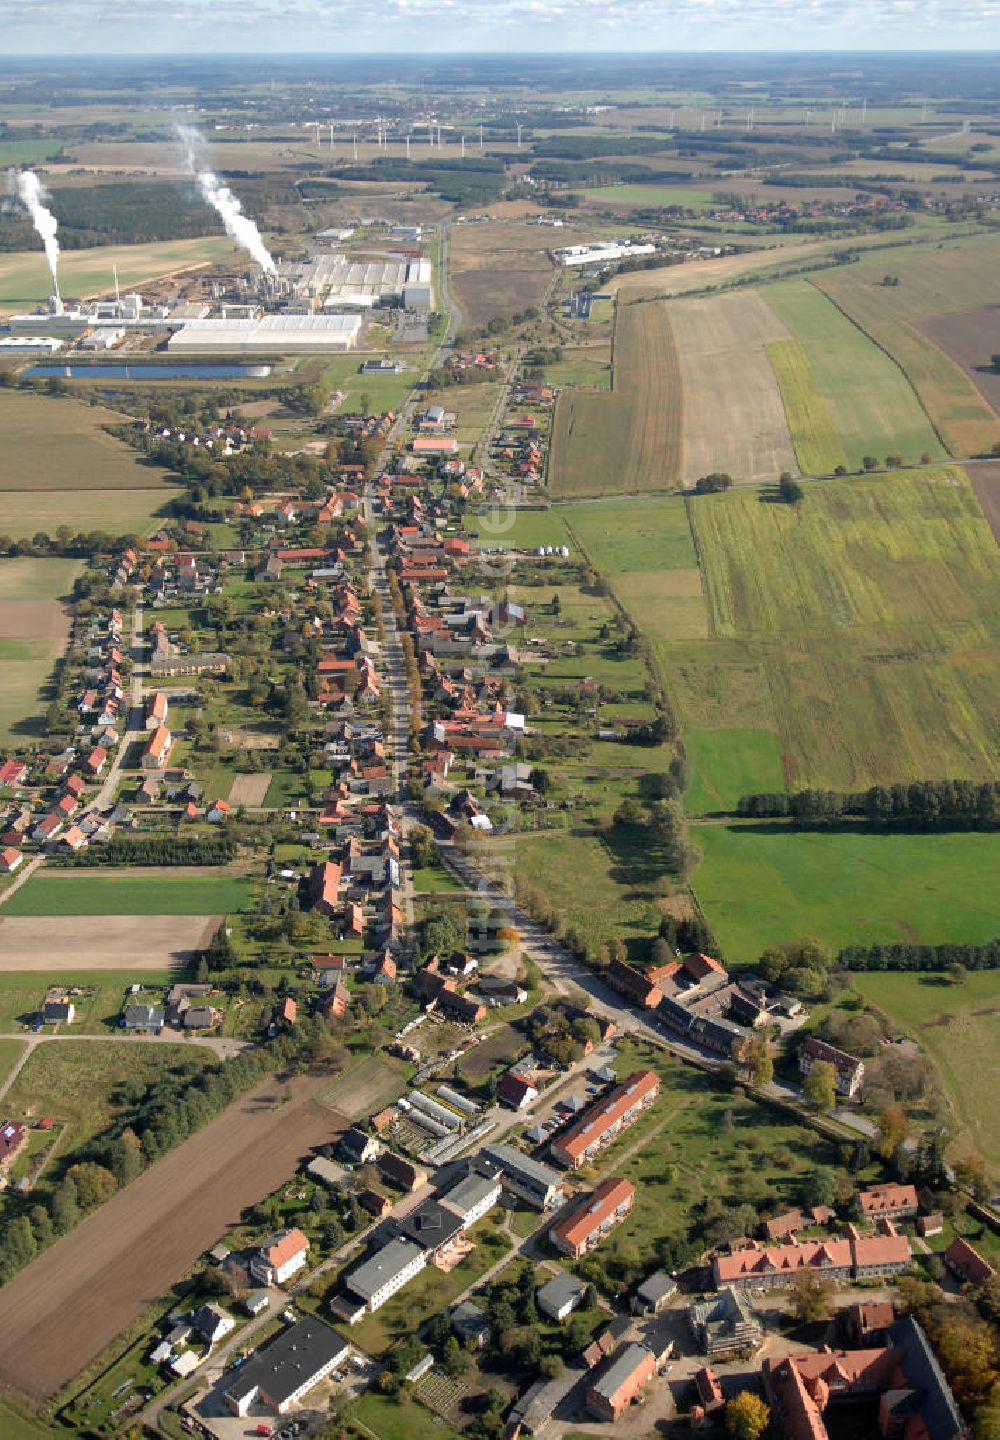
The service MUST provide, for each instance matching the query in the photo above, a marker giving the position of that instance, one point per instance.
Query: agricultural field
(99, 942)
(643, 547)
(116, 512)
(34, 628)
(734, 419)
(954, 277)
(369, 1085)
(582, 367)
(24, 276)
(647, 197)
(765, 883)
(131, 892)
(985, 479)
(817, 446)
(869, 404)
(959, 1028)
(65, 1308)
(630, 439)
(726, 764)
(971, 338)
(499, 269)
(59, 443)
(858, 625)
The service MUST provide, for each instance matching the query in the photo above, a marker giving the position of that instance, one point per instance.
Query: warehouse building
(270, 335)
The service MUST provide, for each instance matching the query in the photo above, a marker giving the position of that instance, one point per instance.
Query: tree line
(215, 849)
(920, 957)
(921, 805)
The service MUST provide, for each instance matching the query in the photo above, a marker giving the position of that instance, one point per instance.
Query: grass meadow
(34, 627)
(868, 405)
(959, 1028)
(88, 892)
(508, 529)
(762, 884)
(726, 764)
(860, 625)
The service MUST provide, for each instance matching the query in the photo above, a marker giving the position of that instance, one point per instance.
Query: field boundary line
(889, 356)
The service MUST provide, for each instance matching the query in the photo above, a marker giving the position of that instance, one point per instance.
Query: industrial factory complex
(318, 305)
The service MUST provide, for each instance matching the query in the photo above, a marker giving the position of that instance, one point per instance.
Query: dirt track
(64, 1309)
(102, 942)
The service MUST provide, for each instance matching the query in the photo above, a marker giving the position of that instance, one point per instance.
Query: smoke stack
(26, 185)
(237, 225)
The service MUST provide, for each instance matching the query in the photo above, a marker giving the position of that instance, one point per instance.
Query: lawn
(760, 885)
(869, 404)
(858, 624)
(154, 893)
(434, 879)
(630, 438)
(817, 446)
(399, 1417)
(34, 628)
(24, 276)
(79, 1082)
(726, 764)
(959, 1027)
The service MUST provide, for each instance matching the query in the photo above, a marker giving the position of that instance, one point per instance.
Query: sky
(53, 27)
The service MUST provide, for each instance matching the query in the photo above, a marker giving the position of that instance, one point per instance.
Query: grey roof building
(431, 1226)
(470, 1323)
(655, 1292)
(560, 1295)
(539, 1184)
(386, 1271)
(286, 1369)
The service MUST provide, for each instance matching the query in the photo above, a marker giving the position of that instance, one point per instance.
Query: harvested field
(102, 942)
(628, 440)
(498, 269)
(817, 447)
(986, 483)
(250, 789)
(34, 628)
(64, 1309)
(61, 444)
(734, 420)
(366, 1087)
(971, 338)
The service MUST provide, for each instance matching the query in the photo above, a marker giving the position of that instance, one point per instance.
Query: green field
(860, 625)
(631, 197)
(963, 274)
(726, 764)
(581, 366)
(399, 1417)
(868, 405)
(959, 1027)
(10, 1053)
(515, 529)
(156, 893)
(761, 885)
(24, 276)
(817, 447)
(34, 627)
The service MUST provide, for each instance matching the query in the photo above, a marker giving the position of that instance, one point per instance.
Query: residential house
(157, 709)
(324, 887)
(58, 1012)
(966, 1263)
(470, 1324)
(212, 1324)
(96, 761)
(890, 1202)
(13, 1135)
(282, 1255)
(850, 1071)
(358, 1148)
(157, 752)
(605, 1119)
(516, 1090)
(10, 859)
(653, 1294)
(143, 1019)
(401, 1173)
(472, 1197)
(593, 1218)
(13, 772)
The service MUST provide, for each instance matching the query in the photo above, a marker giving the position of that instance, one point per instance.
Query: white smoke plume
(221, 198)
(26, 185)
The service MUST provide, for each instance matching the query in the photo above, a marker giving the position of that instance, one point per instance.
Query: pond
(148, 372)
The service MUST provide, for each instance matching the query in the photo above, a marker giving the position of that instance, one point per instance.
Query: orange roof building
(599, 1125)
(599, 1213)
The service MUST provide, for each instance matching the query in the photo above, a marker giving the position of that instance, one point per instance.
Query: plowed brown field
(64, 1309)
